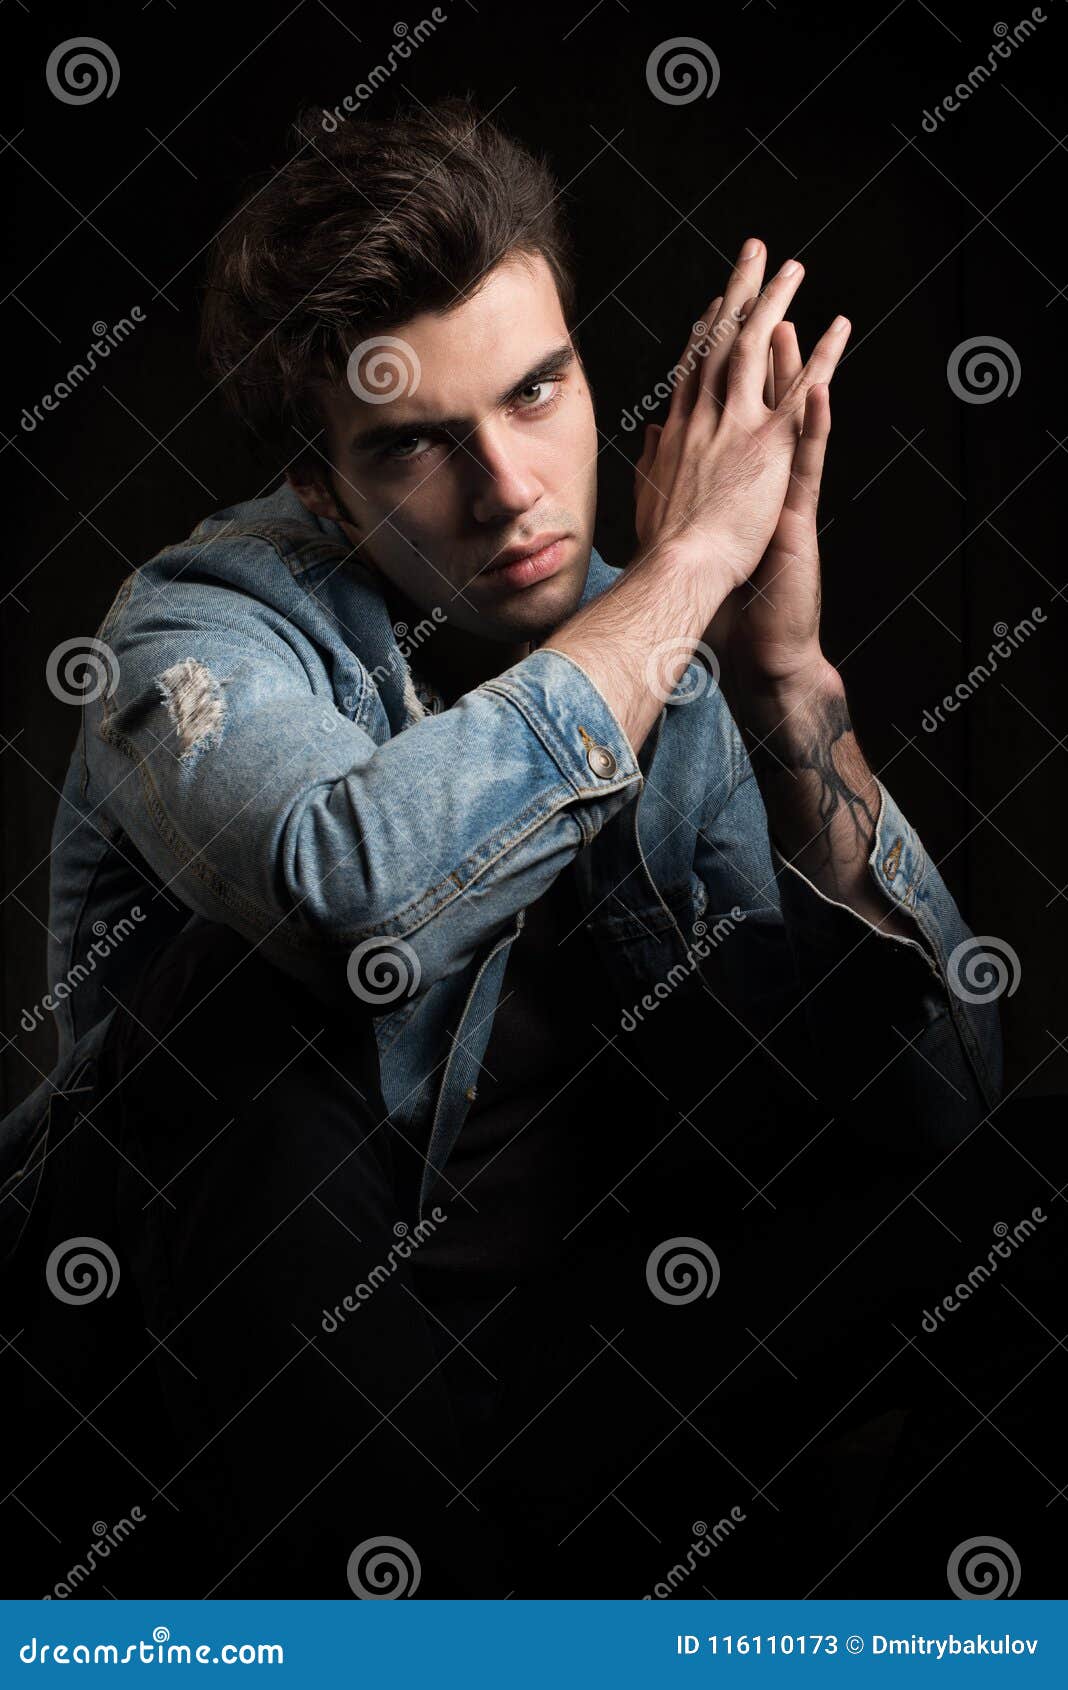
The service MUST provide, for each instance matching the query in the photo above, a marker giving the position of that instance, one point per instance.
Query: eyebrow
(388, 434)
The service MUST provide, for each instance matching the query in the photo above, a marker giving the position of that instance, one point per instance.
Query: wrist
(782, 704)
(704, 573)
(778, 720)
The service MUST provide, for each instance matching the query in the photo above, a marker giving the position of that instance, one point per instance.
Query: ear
(309, 483)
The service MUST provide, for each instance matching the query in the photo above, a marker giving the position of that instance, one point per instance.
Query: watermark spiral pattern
(380, 971)
(381, 1569)
(82, 1270)
(699, 678)
(983, 968)
(81, 670)
(682, 70)
(391, 371)
(82, 70)
(982, 369)
(982, 1569)
(681, 1270)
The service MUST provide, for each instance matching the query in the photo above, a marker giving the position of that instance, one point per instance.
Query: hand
(761, 636)
(766, 633)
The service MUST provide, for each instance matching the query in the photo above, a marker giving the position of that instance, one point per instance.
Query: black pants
(719, 1381)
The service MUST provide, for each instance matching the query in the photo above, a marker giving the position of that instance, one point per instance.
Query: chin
(535, 612)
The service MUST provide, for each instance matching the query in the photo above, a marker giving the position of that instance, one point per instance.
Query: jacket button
(601, 761)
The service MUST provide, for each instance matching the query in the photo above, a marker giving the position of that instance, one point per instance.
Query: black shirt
(549, 1090)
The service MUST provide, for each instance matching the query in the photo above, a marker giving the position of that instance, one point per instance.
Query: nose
(505, 486)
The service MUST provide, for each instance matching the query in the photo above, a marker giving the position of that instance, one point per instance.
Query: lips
(531, 566)
(519, 554)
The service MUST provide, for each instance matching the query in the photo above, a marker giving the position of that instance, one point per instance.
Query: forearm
(308, 835)
(636, 640)
(821, 798)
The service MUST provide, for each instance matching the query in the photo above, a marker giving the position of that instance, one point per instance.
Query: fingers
(787, 360)
(745, 280)
(745, 347)
(821, 365)
(653, 431)
(803, 491)
(686, 388)
(749, 355)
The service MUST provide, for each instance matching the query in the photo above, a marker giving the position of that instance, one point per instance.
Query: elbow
(369, 920)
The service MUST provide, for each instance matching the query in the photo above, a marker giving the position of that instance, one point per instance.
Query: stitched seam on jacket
(192, 860)
(499, 844)
(531, 717)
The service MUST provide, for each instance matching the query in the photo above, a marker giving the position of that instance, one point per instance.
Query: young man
(540, 838)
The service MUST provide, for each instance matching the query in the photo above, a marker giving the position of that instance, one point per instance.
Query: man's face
(495, 449)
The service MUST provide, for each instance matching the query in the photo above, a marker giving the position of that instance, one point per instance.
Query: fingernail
(751, 248)
(839, 324)
(789, 267)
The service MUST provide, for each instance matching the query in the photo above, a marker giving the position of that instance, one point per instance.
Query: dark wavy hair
(361, 228)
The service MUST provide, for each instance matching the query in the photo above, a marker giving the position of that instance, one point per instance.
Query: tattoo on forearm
(814, 749)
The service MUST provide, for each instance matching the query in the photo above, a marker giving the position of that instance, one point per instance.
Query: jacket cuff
(572, 720)
(900, 866)
(897, 862)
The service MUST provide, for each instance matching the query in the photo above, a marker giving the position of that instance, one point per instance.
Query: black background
(940, 516)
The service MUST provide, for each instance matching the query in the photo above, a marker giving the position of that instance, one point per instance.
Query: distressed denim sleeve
(261, 804)
(903, 1032)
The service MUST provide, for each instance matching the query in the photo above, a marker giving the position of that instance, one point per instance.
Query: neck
(453, 660)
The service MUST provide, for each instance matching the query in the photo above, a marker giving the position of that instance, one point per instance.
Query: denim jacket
(257, 753)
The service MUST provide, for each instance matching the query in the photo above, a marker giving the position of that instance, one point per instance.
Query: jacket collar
(320, 559)
(354, 597)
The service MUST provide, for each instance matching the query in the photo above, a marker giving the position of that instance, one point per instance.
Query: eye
(536, 388)
(530, 399)
(399, 452)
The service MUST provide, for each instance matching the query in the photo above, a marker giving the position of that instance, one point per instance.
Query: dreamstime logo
(408, 1240)
(990, 369)
(80, 1270)
(107, 338)
(405, 42)
(681, 1270)
(107, 939)
(105, 1539)
(159, 1652)
(380, 1569)
(420, 696)
(983, 968)
(380, 971)
(982, 1569)
(704, 339)
(1003, 48)
(393, 370)
(81, 69)
(1007, 1244)
(1008, 639)
(81, 670)
(703, 945)
(408, 641)
(705, 1539)
(700, 676)
(682, 63)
